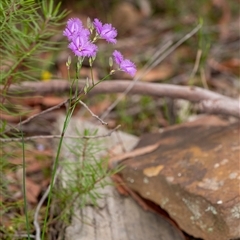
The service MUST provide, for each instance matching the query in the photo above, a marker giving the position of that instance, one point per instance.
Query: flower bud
(110, 61)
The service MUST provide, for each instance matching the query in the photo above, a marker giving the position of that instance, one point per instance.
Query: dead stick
(208, 99)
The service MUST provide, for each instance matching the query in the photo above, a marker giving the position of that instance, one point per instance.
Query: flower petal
(74, 27)
(128, 67)
(118, 57)
(105, 31)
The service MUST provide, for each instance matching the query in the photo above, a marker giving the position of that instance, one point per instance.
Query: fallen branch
(210, 101)
(224, 106)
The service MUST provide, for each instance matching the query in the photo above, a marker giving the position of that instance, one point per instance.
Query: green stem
(24, 188)
(55, 165)
(92, 76)
(103, 79)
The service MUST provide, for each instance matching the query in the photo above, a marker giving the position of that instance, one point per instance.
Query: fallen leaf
(101, 106)
(224, 21)
(153, 171)
(32, 191)
(229, 66)
(233, 65)
(50, 101)
(140, 151)
(162, 72)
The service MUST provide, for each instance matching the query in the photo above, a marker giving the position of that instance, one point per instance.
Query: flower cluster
(83, 46)
(79, 38)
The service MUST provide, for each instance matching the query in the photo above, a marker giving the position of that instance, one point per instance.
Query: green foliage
(204, 45)
(13, 220)
(25, 30)
(138, 117)
(83, 174)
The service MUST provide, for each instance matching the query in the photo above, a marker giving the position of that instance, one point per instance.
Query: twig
(196, 66)
(24, 236)
(49, 110)
(58, 136)
(35, 222)
(35, 115)
(94, 115)
(203, 78)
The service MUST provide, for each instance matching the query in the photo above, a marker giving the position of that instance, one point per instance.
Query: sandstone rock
(194, 175)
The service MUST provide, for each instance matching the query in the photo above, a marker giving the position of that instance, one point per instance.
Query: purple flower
(74, 27)
(118, 57)
(124, 64)
(105, 31)
(82, 47)
(128, 67)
